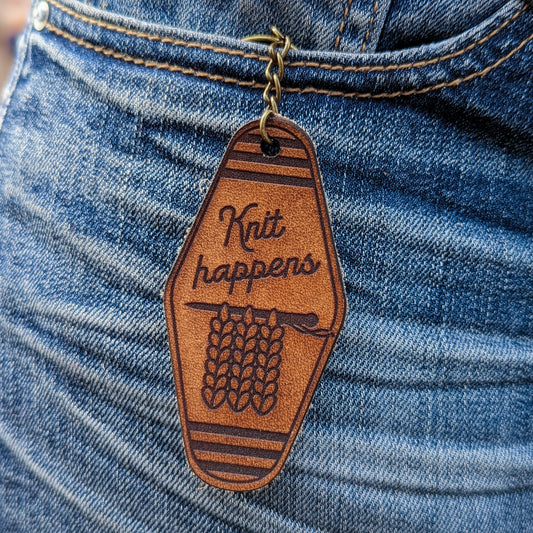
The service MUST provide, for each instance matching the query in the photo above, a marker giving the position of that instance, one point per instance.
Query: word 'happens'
(239, 272)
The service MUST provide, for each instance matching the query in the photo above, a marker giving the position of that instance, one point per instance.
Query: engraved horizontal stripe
(235, 450)
(219, 429)
(287, 143)
(233, 469)
(240, 460)
(264, 168)
(274, 132)
(233, 477)
(267, 178)
(236, 441)
(277, 160)
(255, 148)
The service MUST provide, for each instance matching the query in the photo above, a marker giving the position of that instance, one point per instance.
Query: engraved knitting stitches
(217, 364)
(243, 360)
(268, 360)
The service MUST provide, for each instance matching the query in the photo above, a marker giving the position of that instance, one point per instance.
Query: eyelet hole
(270, 150)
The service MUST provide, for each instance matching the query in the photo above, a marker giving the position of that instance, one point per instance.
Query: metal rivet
(40, 15)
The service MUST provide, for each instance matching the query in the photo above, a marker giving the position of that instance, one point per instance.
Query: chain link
(277, 52)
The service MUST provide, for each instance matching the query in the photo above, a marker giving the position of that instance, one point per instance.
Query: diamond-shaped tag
(254, 304)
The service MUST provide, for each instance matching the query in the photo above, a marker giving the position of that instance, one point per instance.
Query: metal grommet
(40, 15)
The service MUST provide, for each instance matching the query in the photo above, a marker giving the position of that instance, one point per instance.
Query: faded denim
(112, 126)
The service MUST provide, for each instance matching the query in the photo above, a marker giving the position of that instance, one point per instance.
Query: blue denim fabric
(112, 127)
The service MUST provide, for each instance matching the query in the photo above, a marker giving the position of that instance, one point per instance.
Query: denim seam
(413, 64)
(310, 64)
(154, 37)
(343, 24)
(367, 35)
(252, 84)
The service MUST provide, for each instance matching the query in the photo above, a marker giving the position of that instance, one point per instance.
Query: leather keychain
(255, 299)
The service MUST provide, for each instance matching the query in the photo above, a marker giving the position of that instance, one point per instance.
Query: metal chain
(277, 51)
(272, 92)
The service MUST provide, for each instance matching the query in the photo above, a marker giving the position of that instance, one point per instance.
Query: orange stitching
(370, 25)
(312, 64)
(343, 22)
(415, 64)
(152, 37)
(252, 84)
(148, 63)
(424, 90)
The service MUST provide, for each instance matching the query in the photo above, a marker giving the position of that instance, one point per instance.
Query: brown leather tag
(254, 304)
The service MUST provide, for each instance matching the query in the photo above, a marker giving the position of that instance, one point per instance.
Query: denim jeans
(112, 126)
